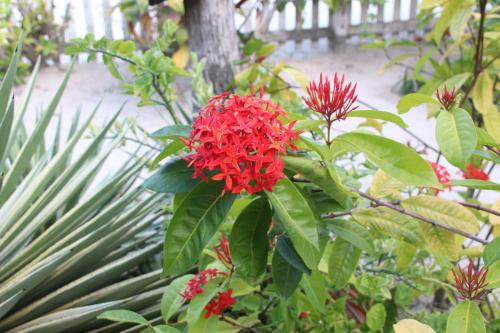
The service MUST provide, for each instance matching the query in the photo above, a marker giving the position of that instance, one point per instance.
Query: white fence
(352, 19)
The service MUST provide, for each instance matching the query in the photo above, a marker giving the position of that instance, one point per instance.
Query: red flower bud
(446, 97)
(334, 101)
(471, 284)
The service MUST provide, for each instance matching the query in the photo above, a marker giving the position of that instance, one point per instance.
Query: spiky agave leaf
(70, 247)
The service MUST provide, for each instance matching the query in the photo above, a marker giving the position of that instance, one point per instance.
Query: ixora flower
(332, 100)
(221, 302)
(473, 172)
(471, 283)
(446, 97)
(194, 286)
(242, 139)
(442, 175)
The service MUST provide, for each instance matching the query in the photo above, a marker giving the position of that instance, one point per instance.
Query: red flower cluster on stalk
(442, 175)
(242, 139)
(195, 285)
(473, 172)
(223, 254)
(221, 302)
(471, 283)
(332, 101)
(446, 97)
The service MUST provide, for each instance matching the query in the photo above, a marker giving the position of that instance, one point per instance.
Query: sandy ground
(91, 82)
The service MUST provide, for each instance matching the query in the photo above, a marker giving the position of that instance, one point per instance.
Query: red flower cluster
(223, 253)
(221, 302)
(471, 284)
(446, 97)
(303, 314)
(194, 285)
(242, 139)
(473, 172)
(442, 175)
(333, 102)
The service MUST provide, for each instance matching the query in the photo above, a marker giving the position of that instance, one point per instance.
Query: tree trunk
(212, 35)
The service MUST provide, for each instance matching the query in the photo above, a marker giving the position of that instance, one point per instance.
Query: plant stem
(421, 218)
(236, 324)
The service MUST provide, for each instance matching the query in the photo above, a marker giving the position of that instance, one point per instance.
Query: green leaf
(390, 223)
(285, 247)
(466, 318)
(171, 132)
(381, 115)
(351, 232)
(171, 300)
(486, 155)
(300, 78)
(395, 159)
(383, 185)
(165, 329)
(194, 223)
(493, 277)
(298, 219)
(342, 262)
(285, 276)
(249, 242)
(9, 77)
(476, 183)
(410, 101)
(265, 50)
(412, 326)
(171, 148)
(491, 252)
(456, 136)
(321, 175)
(172, 177)
(375, 317)
(444, 211)
(123, 316)
(316, 292)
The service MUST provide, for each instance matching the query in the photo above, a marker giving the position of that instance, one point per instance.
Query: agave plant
(71, 244)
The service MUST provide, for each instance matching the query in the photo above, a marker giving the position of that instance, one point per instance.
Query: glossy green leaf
(315, 289)
(321, 175)
(285, 247)
(194, 223)
(407, 102)
(444, 211)
(173, 177)
(375, 317)
(351, 232)
(285, 276)
(476, 183)
(390, 223)
(395, 159)
(171, 300)
(493, 277)
(466, 318)
(491, 252)
(298, 219)
(249, 242)
(171, 148)
(456, 136)
(342, 262)
(123, 316)
(381, 115)
(412, 326)
(171, 132)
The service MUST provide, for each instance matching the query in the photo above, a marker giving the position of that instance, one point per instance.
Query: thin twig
(236, 324)
(479, 207)
(422, 218)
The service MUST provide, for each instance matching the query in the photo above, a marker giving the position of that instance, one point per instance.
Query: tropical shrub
(72, 243)
(44, 37)
(309, 248)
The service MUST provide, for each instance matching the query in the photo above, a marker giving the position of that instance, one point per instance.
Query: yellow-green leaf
(412, 326)
(383, 185)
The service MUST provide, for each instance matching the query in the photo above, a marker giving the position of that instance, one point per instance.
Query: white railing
(352, 19)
